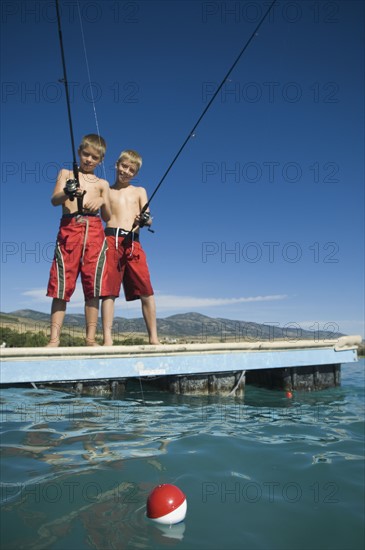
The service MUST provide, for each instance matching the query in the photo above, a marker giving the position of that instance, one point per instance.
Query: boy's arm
(105, 209)
(58, 195)
(143, 200)
(102, 202)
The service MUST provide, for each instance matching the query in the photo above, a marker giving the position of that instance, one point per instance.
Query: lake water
(266, 472)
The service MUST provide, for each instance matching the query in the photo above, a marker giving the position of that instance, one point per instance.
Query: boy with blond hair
(81, 245)
(126, 260)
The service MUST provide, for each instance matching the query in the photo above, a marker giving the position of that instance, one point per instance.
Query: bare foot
(91, 343)
(108, 343)
(154, 343)
(53, 344)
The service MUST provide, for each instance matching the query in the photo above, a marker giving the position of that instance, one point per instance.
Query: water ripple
(72, 464)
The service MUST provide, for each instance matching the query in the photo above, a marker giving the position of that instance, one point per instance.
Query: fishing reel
(71, 187)
(144, 219)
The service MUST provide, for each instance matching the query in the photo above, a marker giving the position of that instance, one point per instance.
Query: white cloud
(38, 297)
(163, 301)
(170, 301)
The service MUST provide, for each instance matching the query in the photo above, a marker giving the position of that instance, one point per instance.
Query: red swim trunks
(80, 248)
(127, 264)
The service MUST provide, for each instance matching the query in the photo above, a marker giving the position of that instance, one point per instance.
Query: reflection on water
(67, 432)
(73, 434)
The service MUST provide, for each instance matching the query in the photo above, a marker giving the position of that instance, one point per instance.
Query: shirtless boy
(126, 261)
(81, 245)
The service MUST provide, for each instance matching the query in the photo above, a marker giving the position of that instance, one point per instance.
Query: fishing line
(192, 131)
(91, 89)
(75, 167)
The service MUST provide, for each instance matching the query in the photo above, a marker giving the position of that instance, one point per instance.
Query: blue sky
(261, 217)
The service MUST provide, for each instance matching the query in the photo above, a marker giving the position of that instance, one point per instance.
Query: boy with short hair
(126, 260)
(81, 245)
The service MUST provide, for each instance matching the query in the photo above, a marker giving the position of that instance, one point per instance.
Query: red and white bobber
(166, 504)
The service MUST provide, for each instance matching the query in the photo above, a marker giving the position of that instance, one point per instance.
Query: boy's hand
(71, 188)
(143, 219)
(93, 205)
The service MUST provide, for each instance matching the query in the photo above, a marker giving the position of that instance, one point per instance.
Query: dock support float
(221, 383)
(310, 378)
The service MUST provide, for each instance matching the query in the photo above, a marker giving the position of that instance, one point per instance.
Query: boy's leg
(91, 319)
(58, 311)
(107, 315)
(92, 269)
(149, 315)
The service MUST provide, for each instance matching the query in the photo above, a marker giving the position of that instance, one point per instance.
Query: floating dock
(182, 368)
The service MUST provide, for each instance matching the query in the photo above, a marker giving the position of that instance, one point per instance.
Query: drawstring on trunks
(119, 232)
(132, 247)
(85, 220)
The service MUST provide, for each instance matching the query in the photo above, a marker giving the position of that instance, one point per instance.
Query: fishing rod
(71, 185)
(192, 131)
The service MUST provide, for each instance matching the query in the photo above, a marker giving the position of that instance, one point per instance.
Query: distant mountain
(77, 319)
(185, 325)
(29, 314)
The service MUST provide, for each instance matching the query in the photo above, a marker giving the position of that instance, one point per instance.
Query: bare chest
(125, 200)
(90, 184)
